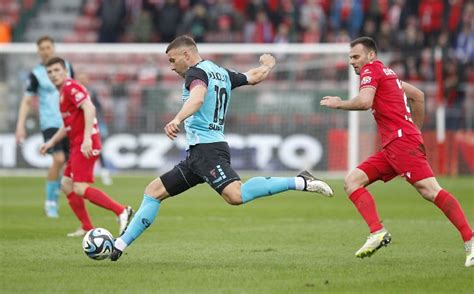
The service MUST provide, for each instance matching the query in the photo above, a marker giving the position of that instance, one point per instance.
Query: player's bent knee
(59, 158)
(80, 188)
(157, 190)
(232, 194)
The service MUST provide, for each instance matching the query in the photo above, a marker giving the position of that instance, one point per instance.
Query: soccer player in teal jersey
(50, 119)
(206, 95)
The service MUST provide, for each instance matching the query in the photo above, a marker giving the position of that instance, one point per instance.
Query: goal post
(277, 125)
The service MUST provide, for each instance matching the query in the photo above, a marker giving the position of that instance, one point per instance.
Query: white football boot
(469, 246)
(124, 219)
(313, 184)
(374, 242)
(77, 233)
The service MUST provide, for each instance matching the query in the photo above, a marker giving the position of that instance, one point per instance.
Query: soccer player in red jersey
(80, 126)
(402, 153)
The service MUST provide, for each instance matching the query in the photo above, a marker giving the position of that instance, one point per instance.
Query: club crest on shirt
(366, 80)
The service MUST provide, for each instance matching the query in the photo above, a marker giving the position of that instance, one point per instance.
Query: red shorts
(79, 168)
(404, 156)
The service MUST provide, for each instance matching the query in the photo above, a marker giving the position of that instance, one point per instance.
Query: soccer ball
(98, 244)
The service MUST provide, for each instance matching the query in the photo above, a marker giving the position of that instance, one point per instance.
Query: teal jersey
(207, 124)
(39, 85)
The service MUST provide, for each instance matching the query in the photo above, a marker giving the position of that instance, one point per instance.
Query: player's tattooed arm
(416, 97)
(258, 74)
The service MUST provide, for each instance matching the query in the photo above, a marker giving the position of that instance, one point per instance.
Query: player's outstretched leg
(143, 218)
(261, 187)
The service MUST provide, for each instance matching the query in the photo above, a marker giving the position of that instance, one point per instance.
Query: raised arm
(258, 74)
(417, 103)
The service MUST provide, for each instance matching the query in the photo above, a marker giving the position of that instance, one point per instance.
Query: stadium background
(275, 126)
(293, 243)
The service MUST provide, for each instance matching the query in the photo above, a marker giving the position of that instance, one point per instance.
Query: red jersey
(390, 105)
(72, 95)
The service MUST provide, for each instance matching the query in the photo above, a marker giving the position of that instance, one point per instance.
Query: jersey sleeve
(76, 94)
(237, 79)
(32, 85)
(195, 73)
(369, 77)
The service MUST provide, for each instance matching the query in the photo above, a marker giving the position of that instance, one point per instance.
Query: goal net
(277, 125)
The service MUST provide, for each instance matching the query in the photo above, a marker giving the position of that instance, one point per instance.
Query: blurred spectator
(263, 32)
(465, 39)
(430, 13)
(312, 16)
(112, 15)
(224, 33)
(282, 35)
(167, 19)
(347, 15)
(195, 23)
(454, 94)
(312, 34)
(141, 30)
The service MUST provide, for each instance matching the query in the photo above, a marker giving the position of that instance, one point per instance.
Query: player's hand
(267, 60)
(20, 135)
(45, 146)
(86, 147)
(331, 101)
(172, 128)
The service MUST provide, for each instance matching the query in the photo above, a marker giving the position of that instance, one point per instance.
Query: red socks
(451, 208)
(366, 206)
(79, 209)
(101, 199)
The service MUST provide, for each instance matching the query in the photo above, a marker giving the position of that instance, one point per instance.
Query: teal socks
(262, 187)
(142, 219)
(52, 190)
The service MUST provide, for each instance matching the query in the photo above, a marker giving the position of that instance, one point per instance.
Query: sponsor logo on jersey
(365, 80)
(79, 96)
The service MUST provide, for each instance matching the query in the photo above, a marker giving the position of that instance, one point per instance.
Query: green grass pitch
(289, 243)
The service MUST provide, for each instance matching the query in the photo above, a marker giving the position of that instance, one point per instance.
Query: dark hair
(54, 60)
(367, 42)
(44, 38)
(181, 41)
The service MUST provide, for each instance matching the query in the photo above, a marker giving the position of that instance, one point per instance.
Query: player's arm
(363, 101)
(55, 139)
(417, 103)
(191, 106)
(23, 111)
(89, 116)
(25, 107)
(258, 74)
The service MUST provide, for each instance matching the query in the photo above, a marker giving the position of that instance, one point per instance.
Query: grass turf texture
(290, 243)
